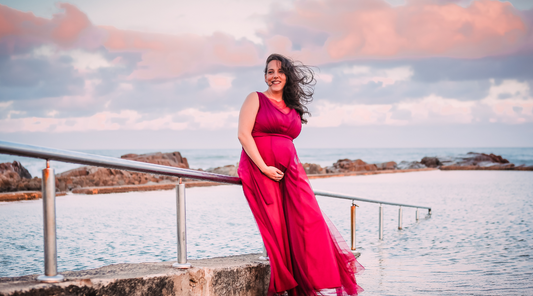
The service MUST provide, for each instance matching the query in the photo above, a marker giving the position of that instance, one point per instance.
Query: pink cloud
(346, 30)
(68, 29)
(166, 56)
(69, 26)
(372, 28)
(163, 56)
(12, 22)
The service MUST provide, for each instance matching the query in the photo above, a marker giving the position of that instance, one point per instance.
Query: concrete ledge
(146, 187)
(235, 275)
(489, 168)
(24, 195)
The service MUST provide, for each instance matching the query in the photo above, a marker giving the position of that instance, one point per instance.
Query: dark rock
(390, 165)
(431, 162)
(90, 176)
(15, 177)
(487, 157)
(229, 170)
(173, 159)
(313, 169)
(347, 165)
(15, 167)
(97, 176)
(474, 160)
(407, 165)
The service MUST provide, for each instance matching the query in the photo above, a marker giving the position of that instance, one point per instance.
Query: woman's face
(274, 77)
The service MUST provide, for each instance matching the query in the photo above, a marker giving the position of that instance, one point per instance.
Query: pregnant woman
(307, 254)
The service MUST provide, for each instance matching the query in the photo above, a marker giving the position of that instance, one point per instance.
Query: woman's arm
(246, 124)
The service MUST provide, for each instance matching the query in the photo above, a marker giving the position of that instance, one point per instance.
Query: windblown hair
(299, 86)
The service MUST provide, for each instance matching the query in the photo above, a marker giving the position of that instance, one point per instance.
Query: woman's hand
(273, 173)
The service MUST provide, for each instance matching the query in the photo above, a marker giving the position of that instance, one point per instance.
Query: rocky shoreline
(16, 183)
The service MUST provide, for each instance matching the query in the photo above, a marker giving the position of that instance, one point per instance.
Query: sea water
(211, 158)
(478, 240)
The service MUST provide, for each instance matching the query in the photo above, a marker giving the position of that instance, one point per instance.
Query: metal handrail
(381, 203)
(110, 162)
(48, 189)
(351, 197)
(144, 167)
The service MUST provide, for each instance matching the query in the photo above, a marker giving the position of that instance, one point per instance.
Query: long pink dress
(307, 253)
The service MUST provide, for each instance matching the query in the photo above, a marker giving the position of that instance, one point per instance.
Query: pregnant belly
(276, 151)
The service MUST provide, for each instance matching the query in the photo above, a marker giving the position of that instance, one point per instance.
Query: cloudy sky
(168, 74)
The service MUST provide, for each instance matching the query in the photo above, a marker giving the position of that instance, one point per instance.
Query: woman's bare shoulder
(252, 99)
(252, 96)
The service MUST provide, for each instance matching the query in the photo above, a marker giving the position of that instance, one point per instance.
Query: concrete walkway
(235, 275)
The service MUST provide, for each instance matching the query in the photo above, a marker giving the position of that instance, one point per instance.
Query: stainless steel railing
(381, 203)
(48, 191)
(109, 162)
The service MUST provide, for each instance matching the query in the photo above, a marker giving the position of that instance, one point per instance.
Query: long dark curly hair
(299, 86)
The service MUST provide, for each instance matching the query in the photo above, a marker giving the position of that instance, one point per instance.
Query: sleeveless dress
(307, 254)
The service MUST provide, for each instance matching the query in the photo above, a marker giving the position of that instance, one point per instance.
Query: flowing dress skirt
(307, 253)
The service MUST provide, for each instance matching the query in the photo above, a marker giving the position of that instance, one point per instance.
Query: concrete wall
(231, 276)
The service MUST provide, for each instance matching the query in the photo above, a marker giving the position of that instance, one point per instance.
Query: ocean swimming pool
(478, 240)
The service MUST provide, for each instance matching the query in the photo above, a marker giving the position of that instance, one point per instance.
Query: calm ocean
(208, 158)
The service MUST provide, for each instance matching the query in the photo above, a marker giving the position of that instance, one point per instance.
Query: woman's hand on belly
(273, 173)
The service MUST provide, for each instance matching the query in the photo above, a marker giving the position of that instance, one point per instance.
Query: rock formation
(408, 165)
(469, 161)
(15, 167)
(313, 169)
(229, 170)
(347, 165)
(89, 176)
(431, 162)
(173, 159)
(390, 165)
(474, 161)
(15, 177)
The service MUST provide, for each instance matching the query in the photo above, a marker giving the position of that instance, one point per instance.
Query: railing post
(353, 224)
(353, 228)
(182, 227)
(264, 256)
(49, 221)
(400, 218)
(417, 214)
(380, 222)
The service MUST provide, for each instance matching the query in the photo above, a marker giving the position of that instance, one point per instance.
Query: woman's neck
(277, 96)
